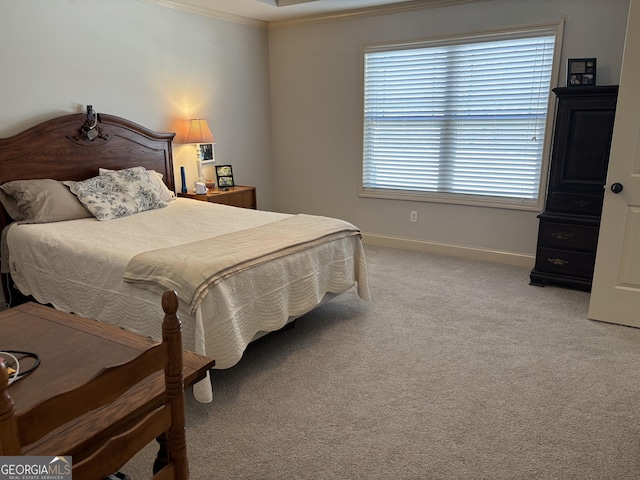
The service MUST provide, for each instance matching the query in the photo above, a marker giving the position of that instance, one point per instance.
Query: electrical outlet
(414, 216)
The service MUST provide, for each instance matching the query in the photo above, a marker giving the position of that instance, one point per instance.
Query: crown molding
(318, 18)
(368, 11)
(210, 12)
(284, 3)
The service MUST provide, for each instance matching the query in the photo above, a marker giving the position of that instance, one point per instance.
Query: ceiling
(275, 10)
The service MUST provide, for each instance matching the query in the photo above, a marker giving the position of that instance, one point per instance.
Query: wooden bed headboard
(60, 149)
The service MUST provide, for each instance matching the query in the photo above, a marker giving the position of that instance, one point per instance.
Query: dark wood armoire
(570, 221)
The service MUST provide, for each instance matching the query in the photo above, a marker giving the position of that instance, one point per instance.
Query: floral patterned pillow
(117, 194)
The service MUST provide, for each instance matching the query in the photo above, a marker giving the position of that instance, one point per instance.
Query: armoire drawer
(568, 236)
(575, 202)
(565, 262)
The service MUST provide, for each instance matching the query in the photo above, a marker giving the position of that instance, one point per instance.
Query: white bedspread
(77, 266)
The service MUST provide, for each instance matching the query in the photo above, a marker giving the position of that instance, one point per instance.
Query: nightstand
(238, 196)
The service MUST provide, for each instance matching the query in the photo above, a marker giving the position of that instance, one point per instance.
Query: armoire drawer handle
(562, 235)
(558, 261)
(582, 203)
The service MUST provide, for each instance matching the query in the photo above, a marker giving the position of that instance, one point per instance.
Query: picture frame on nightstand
(224, 175)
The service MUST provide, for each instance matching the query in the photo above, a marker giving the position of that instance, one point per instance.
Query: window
(460, 120)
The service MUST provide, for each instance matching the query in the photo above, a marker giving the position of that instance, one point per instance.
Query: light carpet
(457, 369)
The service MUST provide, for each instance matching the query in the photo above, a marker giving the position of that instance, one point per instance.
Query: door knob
(616, 187)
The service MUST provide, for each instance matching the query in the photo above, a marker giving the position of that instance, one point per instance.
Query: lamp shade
(199, 132)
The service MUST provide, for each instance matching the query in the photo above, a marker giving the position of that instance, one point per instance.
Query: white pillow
(156, 178)
(117, 194)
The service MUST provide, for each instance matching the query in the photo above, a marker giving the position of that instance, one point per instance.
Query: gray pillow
(10, 205)
(40, 201)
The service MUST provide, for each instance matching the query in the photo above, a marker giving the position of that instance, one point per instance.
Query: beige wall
(298, 139)
(315, 88)
(150, 64)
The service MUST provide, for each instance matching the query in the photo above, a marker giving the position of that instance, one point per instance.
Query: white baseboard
(475, 253)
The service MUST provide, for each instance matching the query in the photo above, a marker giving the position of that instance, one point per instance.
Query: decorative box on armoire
(570, 221)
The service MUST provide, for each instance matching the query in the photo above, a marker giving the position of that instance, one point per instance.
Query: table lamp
(200, 134)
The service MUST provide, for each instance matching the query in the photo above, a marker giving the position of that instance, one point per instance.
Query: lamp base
(184, 180)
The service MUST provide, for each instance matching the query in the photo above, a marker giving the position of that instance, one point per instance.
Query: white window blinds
(460, 118)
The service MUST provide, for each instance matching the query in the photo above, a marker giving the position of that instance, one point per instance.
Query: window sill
(457, 199)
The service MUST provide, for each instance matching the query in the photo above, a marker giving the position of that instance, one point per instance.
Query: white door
(615, 294)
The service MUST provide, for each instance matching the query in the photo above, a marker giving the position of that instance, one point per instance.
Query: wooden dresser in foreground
(570, 222)
(238, 196)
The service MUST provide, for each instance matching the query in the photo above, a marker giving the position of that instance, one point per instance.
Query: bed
(239, 273)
